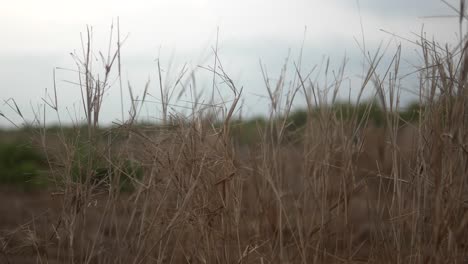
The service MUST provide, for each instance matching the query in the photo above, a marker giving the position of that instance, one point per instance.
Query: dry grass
(338, 191)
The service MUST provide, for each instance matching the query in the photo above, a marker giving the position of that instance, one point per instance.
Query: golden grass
(340, 191)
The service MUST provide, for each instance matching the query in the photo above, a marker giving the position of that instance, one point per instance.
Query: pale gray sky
(39, 35)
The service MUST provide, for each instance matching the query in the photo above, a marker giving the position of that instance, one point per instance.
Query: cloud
(40, 35)
(55, 25)
(402, 8)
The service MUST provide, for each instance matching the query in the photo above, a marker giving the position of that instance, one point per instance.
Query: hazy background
(37, 36)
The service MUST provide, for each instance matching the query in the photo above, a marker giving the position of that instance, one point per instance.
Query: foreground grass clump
(331, 184)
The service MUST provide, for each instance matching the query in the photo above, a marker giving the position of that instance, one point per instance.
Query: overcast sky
(39, 35)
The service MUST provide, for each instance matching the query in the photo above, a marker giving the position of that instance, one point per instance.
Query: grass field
(352, 182)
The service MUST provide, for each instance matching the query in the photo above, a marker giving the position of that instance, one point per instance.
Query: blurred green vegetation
(248, 132)
(88, 161)
(23, 165)
(103, 174)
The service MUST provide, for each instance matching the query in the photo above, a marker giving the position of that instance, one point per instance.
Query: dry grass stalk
(337, 191)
